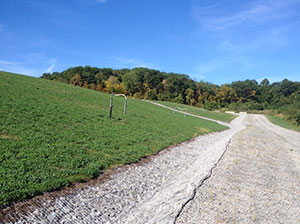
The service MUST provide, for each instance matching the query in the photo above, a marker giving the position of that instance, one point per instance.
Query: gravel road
(256, 180)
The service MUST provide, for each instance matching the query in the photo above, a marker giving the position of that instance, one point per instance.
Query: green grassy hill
(201, 112)
(53, 134)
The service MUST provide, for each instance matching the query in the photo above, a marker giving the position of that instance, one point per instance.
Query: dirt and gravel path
(150, 192)
(256, 180)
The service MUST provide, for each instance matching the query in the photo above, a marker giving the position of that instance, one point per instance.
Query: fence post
(125, 106)
(111, 105)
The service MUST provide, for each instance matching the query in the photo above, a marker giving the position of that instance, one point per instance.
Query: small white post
(182, 109)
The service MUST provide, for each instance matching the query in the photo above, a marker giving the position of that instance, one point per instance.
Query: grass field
(200, 111)
(53, 134)
(283, 123)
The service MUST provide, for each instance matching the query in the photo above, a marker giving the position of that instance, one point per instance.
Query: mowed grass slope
(278, 120)
(201, 112)
(53, 134)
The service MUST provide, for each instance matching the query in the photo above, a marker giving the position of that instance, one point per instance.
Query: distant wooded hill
(152, 84)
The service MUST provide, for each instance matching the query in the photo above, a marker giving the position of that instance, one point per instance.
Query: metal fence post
(111, 105)
(125, 106)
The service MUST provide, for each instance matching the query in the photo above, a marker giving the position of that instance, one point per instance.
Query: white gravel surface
(257, 180)
(152, 192)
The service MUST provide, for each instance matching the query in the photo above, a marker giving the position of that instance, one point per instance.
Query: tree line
(152, 84)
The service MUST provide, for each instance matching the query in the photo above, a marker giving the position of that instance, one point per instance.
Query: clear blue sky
(217, 41)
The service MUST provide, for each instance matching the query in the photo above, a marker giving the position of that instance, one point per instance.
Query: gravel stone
(256, 181)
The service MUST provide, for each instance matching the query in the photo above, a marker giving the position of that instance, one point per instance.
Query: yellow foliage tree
(76, 80)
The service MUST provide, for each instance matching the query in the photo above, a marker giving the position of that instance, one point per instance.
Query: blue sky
(215, 41)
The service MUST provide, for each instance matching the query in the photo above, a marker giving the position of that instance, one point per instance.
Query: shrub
(297, 119)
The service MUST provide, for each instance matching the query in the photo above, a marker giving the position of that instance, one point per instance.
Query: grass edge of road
(219, 116)
(283, 123)
(53, 134)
